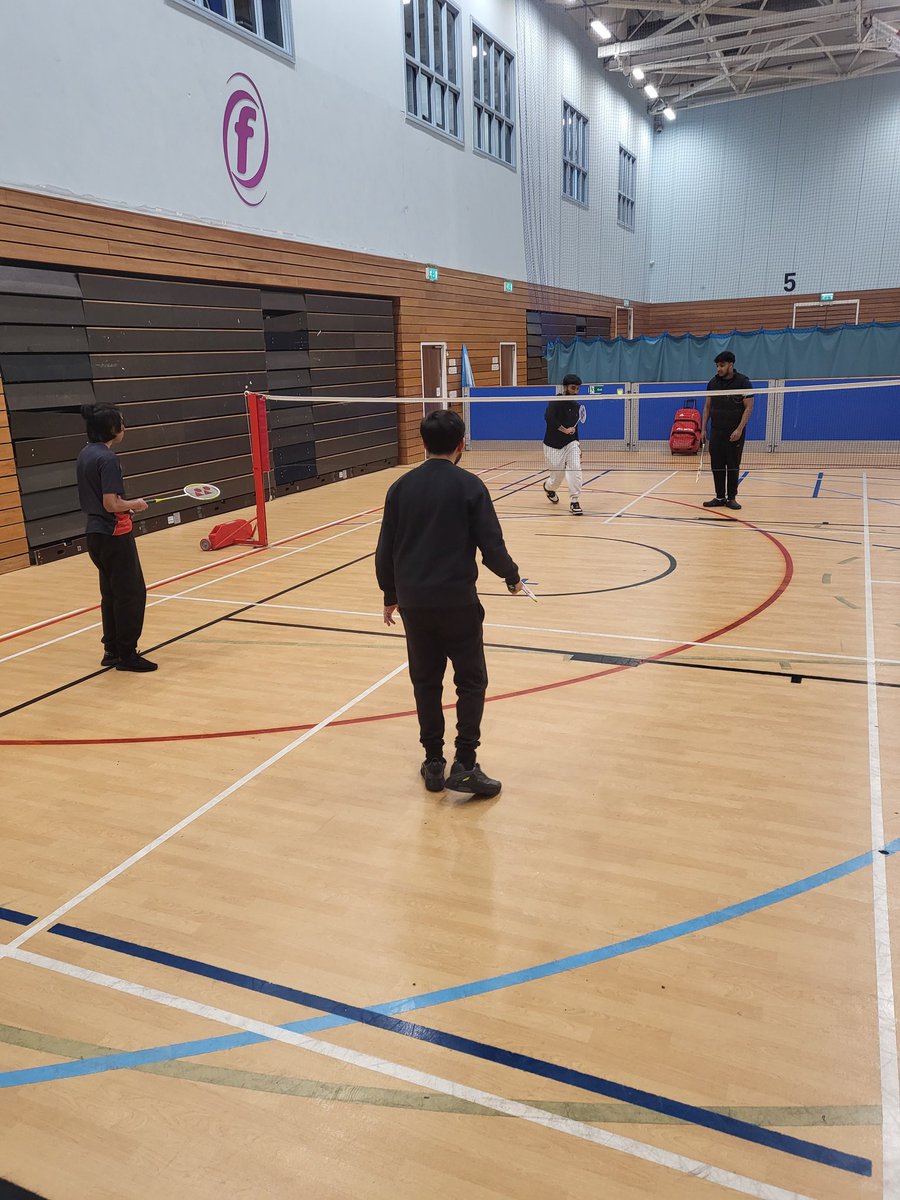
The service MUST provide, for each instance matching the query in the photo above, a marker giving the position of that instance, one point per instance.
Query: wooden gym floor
(247, 955)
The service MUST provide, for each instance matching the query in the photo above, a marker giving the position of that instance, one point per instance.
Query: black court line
(187, 633)
(613, 660)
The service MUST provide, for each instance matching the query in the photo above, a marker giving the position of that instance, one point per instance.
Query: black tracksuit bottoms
(123, 594)
(434, 635)
(725, 461)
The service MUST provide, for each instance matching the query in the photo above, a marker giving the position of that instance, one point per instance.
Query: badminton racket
(700, 463)
(582, 414)
(203, 492)
(528, 592)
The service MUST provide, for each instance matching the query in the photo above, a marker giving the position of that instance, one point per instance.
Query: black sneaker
(575, 509)
(472, 780)
(718, 502)
(136, 662)
(732, 503)
(551, 496)
(432, 771)
(109, 660)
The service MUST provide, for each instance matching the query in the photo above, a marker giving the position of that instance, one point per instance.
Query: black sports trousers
(123, 594)
(725, 461)
(434, 636)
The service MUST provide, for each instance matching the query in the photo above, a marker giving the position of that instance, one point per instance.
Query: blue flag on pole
(466, 379)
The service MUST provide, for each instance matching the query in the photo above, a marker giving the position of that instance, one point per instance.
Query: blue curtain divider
(841, 352)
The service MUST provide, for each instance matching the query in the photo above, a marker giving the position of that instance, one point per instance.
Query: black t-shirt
(98, 473)
(726, 405)
(561, 413)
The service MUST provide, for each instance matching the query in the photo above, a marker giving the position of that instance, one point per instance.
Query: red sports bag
(685, 435)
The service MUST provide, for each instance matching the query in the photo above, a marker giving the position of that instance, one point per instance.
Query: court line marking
(641, 497)
(165, 598)
(258, 770)
(132, 1059)
(302, 1088)
(772, 598)
(510, 1108)
(624, 637)
(223, 562)
(884, 972)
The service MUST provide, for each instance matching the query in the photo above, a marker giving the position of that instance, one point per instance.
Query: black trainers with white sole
(551, 496)
(432, 771)
(472, 780)
(575, 509)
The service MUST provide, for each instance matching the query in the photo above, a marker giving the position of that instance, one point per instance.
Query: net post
(259, 447)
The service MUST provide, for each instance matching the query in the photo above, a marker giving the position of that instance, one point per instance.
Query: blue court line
(741, 478)
(593, 477)
(690, 1113)
(344, 1014)
(522, 480)
(819, 478)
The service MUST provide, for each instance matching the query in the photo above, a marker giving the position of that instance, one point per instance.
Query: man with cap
(729, 403)
(562, 449)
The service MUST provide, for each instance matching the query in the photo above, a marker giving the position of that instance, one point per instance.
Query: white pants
(566, 461)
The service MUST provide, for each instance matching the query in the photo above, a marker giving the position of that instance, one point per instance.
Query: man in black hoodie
(435, 518)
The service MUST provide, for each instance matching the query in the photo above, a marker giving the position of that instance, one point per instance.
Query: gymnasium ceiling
(716, 50)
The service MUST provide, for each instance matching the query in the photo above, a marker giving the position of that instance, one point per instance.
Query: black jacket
(435, 518)
(561, 413)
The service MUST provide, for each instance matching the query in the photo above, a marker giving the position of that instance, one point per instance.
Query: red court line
(211, 566)
(221, 562)
(778, 591)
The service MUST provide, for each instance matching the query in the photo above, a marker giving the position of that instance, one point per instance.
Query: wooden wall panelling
(759, 312)
(13, 541)
(460, 307)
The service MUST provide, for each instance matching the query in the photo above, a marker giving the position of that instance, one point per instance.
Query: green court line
(844, 600)
(836, 1115)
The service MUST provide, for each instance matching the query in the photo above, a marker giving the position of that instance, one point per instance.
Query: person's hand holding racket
(138, 505)
(521, 588)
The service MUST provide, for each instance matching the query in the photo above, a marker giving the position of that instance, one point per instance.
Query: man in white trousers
(562, 449)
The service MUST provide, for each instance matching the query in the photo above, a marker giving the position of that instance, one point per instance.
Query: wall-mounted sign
(507, 285)
(431, 274)
(826, 297)
(245, 139)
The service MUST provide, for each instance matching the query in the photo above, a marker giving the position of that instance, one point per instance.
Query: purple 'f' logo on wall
(245, 139)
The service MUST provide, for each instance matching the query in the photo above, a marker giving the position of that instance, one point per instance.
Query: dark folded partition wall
(545, 327)
(177, 358)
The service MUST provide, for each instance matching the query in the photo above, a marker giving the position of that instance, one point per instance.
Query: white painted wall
(569, 246)
(806, 181)
(122, 101)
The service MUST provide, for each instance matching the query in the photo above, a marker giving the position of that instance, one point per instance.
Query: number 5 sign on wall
(790, 281)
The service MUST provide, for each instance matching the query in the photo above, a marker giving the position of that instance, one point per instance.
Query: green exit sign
(595, 390)
(507, 285)
(826, 297)
(431, 274)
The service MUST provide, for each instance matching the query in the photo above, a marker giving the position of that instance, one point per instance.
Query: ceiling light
(601, 31)
(650, 91)
(669, 113)
(637, 73)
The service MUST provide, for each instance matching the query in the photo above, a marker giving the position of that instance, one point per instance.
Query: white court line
(617, 637)
(43, 923)
(431, 1083)
(641, 497)
(77, 612)
(884, 973)
(163, 599)
(894, 581)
